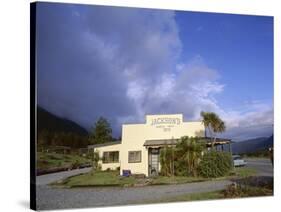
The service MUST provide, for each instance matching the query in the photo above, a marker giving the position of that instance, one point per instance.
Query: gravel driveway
(261, 165)
(49, 178)
(56, 198)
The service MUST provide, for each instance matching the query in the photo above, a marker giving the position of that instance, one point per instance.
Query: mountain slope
(53, 123)
(252, 145)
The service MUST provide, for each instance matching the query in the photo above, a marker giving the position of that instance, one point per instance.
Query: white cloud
(189, 91)
(206, 89)
(194, 89)
(252, 119)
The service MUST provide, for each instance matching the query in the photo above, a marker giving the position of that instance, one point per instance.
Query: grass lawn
(240, 190)
(100, 178)
(244, 172)
(164, 180)
(247, 191)
(55, 160)
(112, 178)
(191, 197)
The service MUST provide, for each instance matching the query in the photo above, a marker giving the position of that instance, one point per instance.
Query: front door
(153, 163)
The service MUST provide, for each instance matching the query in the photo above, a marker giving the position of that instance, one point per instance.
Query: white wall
(114, 147)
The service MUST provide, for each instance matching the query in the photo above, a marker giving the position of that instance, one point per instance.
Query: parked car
(238, 161)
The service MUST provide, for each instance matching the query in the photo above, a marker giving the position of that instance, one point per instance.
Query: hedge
(215, 164)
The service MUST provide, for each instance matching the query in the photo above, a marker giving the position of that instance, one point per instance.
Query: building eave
(105, 144)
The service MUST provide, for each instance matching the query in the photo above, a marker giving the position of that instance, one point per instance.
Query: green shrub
(95, 158)
(167, 160)
(75, 164)
(233, 191)
(183, 159)
(215, 164)
(181, 168)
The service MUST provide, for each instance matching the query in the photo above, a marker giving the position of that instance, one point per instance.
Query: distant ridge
(53, 123)
(252, 145)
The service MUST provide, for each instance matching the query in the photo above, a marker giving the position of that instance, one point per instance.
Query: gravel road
(261, 165)
(57, 198)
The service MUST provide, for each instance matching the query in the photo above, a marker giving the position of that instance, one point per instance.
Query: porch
(154, 147)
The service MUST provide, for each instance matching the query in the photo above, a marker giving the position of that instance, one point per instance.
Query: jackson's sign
(159, 121)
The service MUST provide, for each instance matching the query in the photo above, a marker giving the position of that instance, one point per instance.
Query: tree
(207, 120)
(95, 158)
(213, 123)
(166, 160)
(218, 127)
(44, 138)
(190, 151)
(183, 159)
(101, 132)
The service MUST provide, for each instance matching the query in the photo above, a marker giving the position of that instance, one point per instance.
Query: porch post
(230, 149)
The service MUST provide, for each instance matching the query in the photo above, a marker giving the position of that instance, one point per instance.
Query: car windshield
(237, 157)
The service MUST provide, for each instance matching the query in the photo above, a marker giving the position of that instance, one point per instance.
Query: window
(110, 157)
(134, 156)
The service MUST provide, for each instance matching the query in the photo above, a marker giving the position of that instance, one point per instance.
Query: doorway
(153, 161)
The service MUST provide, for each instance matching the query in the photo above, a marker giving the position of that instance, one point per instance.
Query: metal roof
(160, 142)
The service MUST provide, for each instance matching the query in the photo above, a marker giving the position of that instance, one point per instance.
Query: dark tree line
(100, 133)
(69, 139)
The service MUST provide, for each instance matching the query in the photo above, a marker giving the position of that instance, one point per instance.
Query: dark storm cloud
(75, 80)
(123, 63)
(87, 56)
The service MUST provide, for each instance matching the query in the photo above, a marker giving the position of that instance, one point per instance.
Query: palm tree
(213, 123)
(207, 120)
(218, 127)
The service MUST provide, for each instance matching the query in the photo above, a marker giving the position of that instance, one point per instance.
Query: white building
(140, 146)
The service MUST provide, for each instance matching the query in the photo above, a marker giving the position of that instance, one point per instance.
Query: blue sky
(239, 47)
(123, 63)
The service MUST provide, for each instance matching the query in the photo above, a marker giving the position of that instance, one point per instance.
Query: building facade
(139, 149)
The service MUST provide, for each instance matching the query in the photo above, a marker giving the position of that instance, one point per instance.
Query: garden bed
(97, 179)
